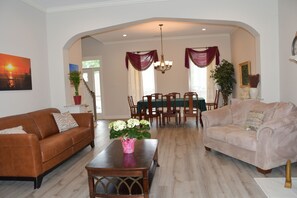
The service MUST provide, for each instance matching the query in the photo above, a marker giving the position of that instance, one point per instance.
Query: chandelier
(162, 65)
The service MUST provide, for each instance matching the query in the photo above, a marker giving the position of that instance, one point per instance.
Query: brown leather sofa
(31, 156)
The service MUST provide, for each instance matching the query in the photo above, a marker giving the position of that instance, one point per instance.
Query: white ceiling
(145, 30)
(170, 29)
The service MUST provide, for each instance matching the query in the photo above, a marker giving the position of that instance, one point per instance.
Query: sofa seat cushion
(234, 135)
(78, 134)
(54, 145)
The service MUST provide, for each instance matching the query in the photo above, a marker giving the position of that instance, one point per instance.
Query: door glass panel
(85, 77)
(97, 91)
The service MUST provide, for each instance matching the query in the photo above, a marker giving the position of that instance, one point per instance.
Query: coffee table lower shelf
(119, 186)
(114, 174)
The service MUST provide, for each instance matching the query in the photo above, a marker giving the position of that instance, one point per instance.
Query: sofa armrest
(276, 142)
(217, 117)
(84, 119)
(20, 155)
(277, 127)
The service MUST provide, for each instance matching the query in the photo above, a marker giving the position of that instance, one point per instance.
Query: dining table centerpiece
(129, 131)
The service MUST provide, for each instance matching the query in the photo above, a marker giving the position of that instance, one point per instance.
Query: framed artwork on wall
(15, 73)
(73, 67)
(244, 72)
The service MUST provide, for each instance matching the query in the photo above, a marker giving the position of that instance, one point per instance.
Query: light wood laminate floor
(186, 170)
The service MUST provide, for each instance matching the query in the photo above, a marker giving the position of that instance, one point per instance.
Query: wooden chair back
(169, 108)
(215, 103)
(150, 112)
(190, 108)
(216, 100)
(169, 103)
(133, 108)
(157, 95)
(175, 94)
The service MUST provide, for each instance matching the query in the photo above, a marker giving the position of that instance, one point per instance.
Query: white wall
(272, 21)
(243, 47)
(287, 31)
(115, 75)
(75, 57)
(264, 19)
(23, 33)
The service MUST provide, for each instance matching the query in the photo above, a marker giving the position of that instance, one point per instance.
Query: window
(148, 81)
(198, 80)
(140, 83)
(91, 64)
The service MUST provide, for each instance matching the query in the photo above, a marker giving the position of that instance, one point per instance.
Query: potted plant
(223, 75)
(75, 78)
(129, 131)
(254, 81)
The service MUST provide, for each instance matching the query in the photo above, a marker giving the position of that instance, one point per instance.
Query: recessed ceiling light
(203, 29)
(124, 35)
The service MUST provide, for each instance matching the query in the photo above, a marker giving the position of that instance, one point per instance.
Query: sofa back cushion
(283, 109)
(23, 120)
(267, 109)
(45, 122)
(240, 109)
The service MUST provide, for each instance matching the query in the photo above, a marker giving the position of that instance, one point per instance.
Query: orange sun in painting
(9, 67)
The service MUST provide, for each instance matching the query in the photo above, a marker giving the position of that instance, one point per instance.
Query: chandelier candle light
(162, 65)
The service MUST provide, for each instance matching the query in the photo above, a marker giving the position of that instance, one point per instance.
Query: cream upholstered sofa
(268, 143)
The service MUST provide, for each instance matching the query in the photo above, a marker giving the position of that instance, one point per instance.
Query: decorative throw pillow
(64, 121)
(14, 130)
(254, 120)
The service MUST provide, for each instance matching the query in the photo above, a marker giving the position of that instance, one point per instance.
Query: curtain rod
(203, 47)
(142, 51)
(199, 47)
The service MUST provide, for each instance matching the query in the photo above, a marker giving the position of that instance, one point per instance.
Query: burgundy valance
(141, 61)
(202, 58)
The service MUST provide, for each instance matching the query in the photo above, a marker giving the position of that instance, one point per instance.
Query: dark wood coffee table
(115, 174)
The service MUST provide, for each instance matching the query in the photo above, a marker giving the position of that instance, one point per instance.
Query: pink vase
(128, 145)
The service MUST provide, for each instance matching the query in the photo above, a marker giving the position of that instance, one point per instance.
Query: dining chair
(133, 109)
(215, 103)
(169, 108)
(155, 97)
(190, 109)
(177, 96)
(149, 112)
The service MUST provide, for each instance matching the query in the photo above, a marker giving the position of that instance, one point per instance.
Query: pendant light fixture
(162, 65)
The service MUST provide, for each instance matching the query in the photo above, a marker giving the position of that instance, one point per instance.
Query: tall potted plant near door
(223, 75)
(75, 78)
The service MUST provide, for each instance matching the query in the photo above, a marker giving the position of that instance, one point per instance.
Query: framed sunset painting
(15, 73)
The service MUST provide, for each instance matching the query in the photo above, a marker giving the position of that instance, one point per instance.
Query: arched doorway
(107, 46)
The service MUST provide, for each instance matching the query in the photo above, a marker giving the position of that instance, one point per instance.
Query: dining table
(179, 102)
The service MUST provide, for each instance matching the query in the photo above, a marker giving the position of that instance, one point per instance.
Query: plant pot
(77, 100)
(225, 99)
(128, 145)
(254, 93)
